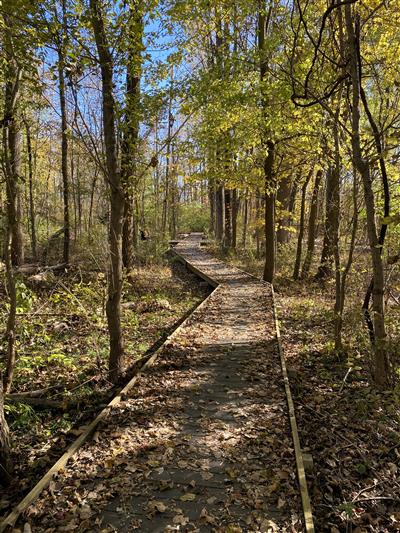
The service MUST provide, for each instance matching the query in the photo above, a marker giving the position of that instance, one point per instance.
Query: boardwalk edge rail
(301, 475)
(10, 520)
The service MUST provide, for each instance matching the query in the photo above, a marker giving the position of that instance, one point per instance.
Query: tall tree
(381, 359)
(264, 17)
(113, 177)
(61, 45)
(131, 129)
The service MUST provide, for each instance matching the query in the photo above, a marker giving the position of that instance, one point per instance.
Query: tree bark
(113, 306)
(331, 223)
(245, 218)
(131, 133)
(220, 213)
(235, 210)
(228, 219)
(12, 139)
(64, 132)
(5, 451)
(381, 358)
(283, 199)
(32, 215)
(270, 237)
(269, 148)
(300, 236)
(312, 221)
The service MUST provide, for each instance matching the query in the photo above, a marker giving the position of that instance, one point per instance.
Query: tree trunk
(346, 271)
(228, 219)
(220, 213)
(64, 133)
(283, 198)
(300, 236)
(270, 242)
(381, 358)
(5, 452)
(235, 210)
(32, 216)
(131, 132)
(211, 200)
(269, 147)
(331, 222)
(245, 218)
(12, 140)
(312, 221)
(113, 306)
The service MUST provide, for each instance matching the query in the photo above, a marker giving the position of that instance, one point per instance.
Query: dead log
(44, 403)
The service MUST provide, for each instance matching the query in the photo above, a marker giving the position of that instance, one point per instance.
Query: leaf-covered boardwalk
(203, 442)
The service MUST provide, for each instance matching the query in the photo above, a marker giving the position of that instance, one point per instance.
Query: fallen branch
(36, 402)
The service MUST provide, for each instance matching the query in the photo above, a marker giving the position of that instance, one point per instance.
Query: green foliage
(25, 297)
(194, 217)
(21, 415)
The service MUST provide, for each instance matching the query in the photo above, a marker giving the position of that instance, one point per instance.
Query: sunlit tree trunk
(113, 306)
(32, 215)
(283, 198)
(5, 451)
(269, 148)
(381, 358)
(64, 130)
(312, 222)
(300, 236)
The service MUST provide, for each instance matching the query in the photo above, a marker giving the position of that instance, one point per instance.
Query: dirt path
(203, 443)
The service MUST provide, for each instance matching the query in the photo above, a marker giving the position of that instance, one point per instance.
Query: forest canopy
(271, 127)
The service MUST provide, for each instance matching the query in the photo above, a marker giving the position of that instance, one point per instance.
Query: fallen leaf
(156, 506)
(180, 520)
(188, 497)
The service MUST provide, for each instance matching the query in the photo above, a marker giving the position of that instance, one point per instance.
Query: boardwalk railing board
(44, 482)
(305, 498)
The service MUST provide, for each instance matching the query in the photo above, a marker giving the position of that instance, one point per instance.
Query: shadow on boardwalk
(213, 451)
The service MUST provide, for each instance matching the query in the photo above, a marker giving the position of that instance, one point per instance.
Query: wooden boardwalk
(203, 442)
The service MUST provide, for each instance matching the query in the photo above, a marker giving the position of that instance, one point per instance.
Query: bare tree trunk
(235, 210)
(64, 132)
(312, 221)
(131, 133)
(32, 216)
(328, 253)
(220, 213)
(12, 141)
(211, 200)
(166, 203)
(245, 218)
(113, 307)
(300, 236)
(283, 199)
(346, 271)
(292, 202)
(6, 467)
(269, 147)
(381, 357)
(270, 242)
(90, 218)
(228, 219)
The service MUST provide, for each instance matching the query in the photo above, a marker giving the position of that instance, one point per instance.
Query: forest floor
(350, 428)
(63, 349)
